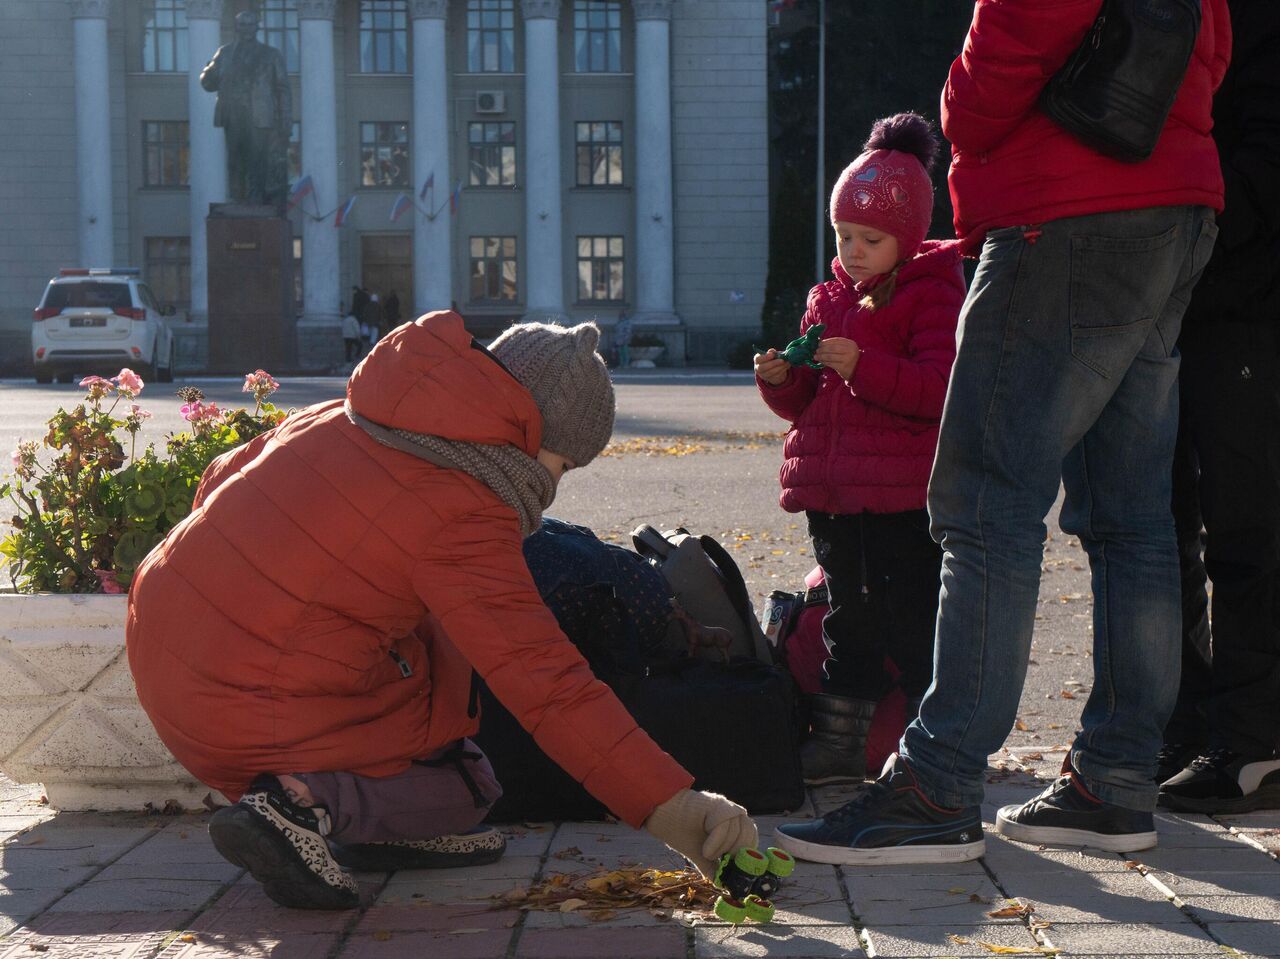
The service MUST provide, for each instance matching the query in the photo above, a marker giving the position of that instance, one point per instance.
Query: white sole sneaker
(885, 855)
(1062, 836)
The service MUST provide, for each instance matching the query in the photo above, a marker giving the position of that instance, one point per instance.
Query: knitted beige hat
(569, 382)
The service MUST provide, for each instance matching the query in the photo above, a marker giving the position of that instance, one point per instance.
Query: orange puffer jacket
(326, 602)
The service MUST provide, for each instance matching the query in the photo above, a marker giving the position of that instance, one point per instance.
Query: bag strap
(739, 596)
(649, 542)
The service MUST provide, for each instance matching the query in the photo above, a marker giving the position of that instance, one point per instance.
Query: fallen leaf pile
(1004, 950)
(692, 443)
(600, 894)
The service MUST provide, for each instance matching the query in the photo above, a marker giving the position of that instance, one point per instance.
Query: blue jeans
(1066, 371)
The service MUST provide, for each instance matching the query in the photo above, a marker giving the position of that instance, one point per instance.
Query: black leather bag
(1116, 90)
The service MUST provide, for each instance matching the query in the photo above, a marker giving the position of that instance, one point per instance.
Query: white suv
(96, 321)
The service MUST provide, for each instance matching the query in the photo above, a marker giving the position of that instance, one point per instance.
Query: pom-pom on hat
(569, 381)
(888, 185)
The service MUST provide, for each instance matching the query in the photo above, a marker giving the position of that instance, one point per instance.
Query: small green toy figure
(799, 352)
(750, 878)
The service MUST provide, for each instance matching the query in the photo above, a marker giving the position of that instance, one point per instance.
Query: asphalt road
(698, 450)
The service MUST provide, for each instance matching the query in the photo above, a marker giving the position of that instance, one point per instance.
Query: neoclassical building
(567, 159)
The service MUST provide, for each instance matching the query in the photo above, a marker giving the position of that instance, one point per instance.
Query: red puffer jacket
(868, 445)
(1012, 166)
(324, 605)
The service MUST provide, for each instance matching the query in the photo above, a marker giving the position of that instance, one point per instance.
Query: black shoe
(1173, 758)
(476, 847)
(836, 748)
(890, 822)
(283, 847)
(1224, 781)
(1067, 814)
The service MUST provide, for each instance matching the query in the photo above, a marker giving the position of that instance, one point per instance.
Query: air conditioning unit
(491, 101)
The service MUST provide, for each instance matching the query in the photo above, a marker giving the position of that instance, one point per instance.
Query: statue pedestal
(251, 305)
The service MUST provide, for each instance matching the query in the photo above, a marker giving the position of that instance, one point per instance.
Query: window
(492, 154)
(295, 152)
(597, 36)
(384, 154)
(599, 153)
(491, 32)
(493, 268)
(280, 29)
(384, 36)
(164, 36)
(169, 269)
(600, 268)
(166, 150)
(297, 275)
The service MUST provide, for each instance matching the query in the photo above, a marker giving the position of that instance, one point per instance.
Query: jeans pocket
(1119, 285)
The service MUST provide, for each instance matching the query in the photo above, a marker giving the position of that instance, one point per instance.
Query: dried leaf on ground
(1004, 950)
(1013, 909)
(599, 894)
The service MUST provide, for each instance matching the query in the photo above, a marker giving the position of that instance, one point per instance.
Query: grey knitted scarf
(520, 481)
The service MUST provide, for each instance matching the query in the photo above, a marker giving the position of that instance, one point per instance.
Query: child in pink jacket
(863, 435)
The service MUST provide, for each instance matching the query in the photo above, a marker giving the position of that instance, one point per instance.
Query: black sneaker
(1173, 758)
(1067, 814)
(1224, 781)
(478, 846)
(283, 847)
(890, 822)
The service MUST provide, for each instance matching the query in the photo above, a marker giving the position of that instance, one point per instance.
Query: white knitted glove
(702, 827)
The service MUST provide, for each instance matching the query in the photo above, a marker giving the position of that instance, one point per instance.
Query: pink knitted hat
(888, 185)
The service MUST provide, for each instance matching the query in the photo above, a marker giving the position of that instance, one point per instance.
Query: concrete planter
(69, 713)
(645, 357)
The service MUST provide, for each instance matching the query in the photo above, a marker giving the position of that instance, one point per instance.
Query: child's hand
(839, 354)
(772, 368)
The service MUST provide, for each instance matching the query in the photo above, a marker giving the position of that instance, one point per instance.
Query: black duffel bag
(1116, 90)
(734, 726)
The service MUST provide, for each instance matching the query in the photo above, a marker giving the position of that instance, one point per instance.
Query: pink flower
(137, 412)
(97, 386)
(192, 411)
(107, 577)
(128, 382)
(16, 456)
(260, 383)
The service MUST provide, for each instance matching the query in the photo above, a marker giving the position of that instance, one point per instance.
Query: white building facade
(561, 160)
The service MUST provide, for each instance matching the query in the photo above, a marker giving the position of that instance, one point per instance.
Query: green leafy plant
(87, 515)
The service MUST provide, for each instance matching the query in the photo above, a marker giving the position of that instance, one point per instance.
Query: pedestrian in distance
(311, 639)
(1220, 746)
(865, 427)
(622, 339)
(351, 336)
(391, 310)
(1065, 375)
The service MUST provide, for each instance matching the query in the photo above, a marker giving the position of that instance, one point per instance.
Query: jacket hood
(938, 258)
(431, 376)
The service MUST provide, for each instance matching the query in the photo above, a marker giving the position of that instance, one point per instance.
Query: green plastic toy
(799, 352)
(749, 879)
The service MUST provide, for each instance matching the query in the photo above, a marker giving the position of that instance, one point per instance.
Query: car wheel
(65, 377)
(164, 374)
(44, 376)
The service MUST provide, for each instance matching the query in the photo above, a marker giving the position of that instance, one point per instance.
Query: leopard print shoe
(283, 847)
(475, 847)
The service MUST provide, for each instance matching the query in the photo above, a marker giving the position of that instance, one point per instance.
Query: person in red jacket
(864, 431)
(309, 641)
(1065, 375)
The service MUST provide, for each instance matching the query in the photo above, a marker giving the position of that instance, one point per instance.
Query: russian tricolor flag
(455, 197)
(397, 209)
(344, 211)
(301, 189)
(427, 186)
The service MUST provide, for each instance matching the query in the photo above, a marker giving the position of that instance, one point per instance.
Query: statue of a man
(255, 107)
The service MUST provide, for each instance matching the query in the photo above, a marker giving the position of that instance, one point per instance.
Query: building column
(432, 257)
(655, 250)
(93, 132)
(544, 246)
(320, 330)
(207, 164)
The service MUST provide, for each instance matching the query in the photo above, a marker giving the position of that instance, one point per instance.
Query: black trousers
(1227, 478)
(882, 572)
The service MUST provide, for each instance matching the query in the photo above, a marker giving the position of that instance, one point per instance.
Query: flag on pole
(397, 209)
(301, 189)
(455, 197)
(343, 211)
(427, 186)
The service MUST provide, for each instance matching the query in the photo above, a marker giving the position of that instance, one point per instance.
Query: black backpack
(734, 726)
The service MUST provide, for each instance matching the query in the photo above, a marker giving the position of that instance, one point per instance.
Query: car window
(144, 294)
(88, 294)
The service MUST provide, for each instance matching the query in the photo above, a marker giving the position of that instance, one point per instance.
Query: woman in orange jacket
(310, 639)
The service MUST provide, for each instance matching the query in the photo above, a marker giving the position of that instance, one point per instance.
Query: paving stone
(39, 876)
(578, 919)
(519, 869)
(1114, 939)
(157, 894)
(440, 891)
(208, 946)
(1105, 897)
(189, 845)
(1220, 883)
(54, 843)
(528, 839)
(459, 944)
(131, 923)
(220, 872)
(1004, 855)
(417, 917)
(1215, 909)
(245, 911)
(803, 942)
(912, 941)
(1237, 857)
(665, 942)
(17, 907)
(923, 901)
(1254, 938)
(82, 947)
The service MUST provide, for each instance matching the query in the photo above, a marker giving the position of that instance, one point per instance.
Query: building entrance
(386, 266)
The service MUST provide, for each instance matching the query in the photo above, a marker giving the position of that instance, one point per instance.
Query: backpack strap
(736, 588)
